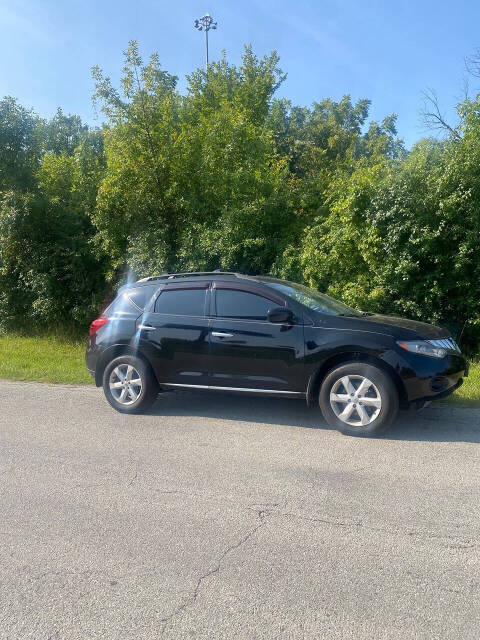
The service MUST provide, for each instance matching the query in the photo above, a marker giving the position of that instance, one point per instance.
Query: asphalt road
(231, 517)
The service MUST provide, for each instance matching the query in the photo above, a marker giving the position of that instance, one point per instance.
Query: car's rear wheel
(359, 399)
(129, 384)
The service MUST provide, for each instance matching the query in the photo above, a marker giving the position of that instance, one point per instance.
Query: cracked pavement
(221, 516)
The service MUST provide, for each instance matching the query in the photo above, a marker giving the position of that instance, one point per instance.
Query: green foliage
(62, 134)
(136, 219)
(50, 271)
(192, 181)
(403, 238)
(20, 145)
(227, 175)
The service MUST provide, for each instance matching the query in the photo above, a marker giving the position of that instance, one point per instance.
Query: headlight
(423, 348)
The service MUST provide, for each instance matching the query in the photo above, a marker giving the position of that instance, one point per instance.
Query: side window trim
(245, 288)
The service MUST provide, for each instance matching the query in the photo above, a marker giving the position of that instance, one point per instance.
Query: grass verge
(43, 359)
(62, 360)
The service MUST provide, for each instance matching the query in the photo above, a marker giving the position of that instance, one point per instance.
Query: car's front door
(249, 352)
(174, 335)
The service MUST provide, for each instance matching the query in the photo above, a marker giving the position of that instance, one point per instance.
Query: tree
(192, 181)
(20, 145)
(50, 270)
(48, 273)
(335, 160)
(134, 214)
(63, 134)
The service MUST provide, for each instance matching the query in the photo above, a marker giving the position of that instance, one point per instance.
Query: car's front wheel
(359, 399)
(129, 384)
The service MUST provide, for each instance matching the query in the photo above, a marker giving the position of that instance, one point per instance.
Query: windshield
(314, 299)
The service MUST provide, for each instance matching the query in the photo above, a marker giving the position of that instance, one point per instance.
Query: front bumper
(426, 379)
(421, 402)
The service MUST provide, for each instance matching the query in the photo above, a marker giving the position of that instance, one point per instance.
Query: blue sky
(383, 50)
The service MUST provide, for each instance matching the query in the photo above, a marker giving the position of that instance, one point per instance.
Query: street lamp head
(205, 23)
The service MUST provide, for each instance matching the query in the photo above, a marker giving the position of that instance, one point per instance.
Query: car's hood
(389, 323)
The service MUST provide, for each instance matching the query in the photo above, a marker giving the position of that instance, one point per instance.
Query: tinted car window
(232, 303)
(181, 302)
(141, 295)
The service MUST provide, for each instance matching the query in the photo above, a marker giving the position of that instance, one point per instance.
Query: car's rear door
(249, 352)
(174, 335)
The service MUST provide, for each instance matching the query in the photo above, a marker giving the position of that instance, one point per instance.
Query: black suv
(226, 331)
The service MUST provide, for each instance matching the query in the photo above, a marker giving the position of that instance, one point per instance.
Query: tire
(366, 414)
(139, 394)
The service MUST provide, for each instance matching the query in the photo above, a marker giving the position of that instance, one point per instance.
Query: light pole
(205, 23)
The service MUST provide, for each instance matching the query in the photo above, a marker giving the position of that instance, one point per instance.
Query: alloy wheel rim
(355, 400)
(125, 384)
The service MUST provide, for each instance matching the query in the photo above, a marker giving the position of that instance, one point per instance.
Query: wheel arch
(317, 377)
(113, 352)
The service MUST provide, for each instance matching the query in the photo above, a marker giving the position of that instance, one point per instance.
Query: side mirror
(280, 315)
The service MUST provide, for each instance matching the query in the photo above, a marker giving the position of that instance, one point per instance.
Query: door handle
(220, 334)
(146, 327)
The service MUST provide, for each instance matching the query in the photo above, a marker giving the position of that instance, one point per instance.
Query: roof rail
(186, 274)
(153, 278)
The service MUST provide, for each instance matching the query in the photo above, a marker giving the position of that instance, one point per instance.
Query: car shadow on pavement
(435, 423)
(231, 406)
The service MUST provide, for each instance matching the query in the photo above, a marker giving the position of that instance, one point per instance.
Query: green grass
(43, 359)
(62, 360)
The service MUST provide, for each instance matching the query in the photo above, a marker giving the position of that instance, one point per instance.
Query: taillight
(97, 324)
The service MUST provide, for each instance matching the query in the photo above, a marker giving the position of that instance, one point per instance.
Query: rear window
(141, 295)
(131, 300)
(122, 305)
(181, 302)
